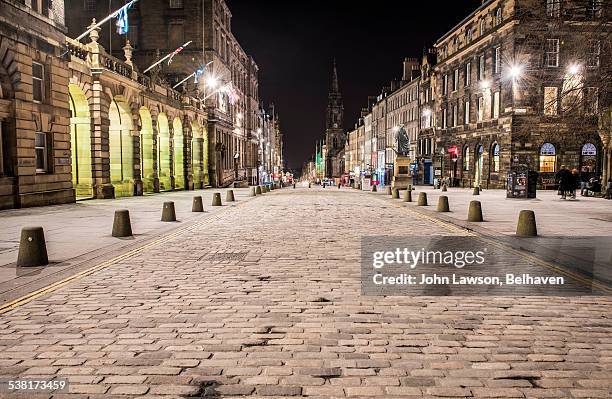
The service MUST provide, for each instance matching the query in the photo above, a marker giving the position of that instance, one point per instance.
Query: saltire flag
(199, 72)
(122, 18)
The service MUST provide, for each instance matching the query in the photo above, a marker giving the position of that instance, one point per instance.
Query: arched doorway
(163, 152)
(179, 158)
(196, 154)
(147, 155)
(588, 161)
(478, 166)
(121, 149)
(80, 143)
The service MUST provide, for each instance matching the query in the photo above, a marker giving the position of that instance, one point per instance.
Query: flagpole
(165, 58)
(97, 25)
(182, 81)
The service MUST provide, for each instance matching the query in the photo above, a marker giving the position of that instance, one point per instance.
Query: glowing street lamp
(516, 71)
(426, 112)
(211, 82)
(574, 69)
(485, 84)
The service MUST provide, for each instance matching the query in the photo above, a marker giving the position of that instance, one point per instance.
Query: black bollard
(32, 248)
(121, 225)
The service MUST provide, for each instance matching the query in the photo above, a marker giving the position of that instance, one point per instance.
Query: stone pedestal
(401, 173)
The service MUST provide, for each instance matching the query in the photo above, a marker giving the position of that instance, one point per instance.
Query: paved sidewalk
(264, 299)
(81, 233)
(584, 216)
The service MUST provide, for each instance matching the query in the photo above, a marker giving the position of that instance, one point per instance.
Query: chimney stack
(410, 65)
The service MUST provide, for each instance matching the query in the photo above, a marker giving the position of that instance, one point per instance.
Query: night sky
(294, 44)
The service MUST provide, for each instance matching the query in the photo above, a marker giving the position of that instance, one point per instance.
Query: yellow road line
(577, 277)
(8, 306)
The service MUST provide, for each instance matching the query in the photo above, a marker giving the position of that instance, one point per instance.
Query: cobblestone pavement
(264, 299)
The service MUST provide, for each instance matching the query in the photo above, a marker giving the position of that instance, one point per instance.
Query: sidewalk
(584, 216)
(80, 233)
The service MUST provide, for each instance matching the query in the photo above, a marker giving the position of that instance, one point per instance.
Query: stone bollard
(168, 212)
(444, 187)
(526, 226)
(253, 192)
(216, 201)
(339, 186)
(408, 195)
(121, 225)
(197, 205)
(258, 190)
(422, 201)
(475, 212)
(389, 191)
(443, 204)
(476, 191)
(395, 193)
(309, 185)
(294, 186)
(229, 196)
(374, 189)
(268, 189)
(32, 248)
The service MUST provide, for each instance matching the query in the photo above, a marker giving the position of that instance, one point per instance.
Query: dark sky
(294, 44)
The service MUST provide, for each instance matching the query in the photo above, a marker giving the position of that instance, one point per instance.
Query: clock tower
(334, 129)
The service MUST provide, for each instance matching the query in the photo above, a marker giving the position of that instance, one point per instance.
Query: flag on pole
(122, 18)
(178, 50)
(231, 93)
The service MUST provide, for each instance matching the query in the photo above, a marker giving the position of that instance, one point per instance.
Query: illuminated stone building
(158, 27)
(521, 86)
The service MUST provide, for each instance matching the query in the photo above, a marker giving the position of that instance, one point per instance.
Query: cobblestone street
(264, 299)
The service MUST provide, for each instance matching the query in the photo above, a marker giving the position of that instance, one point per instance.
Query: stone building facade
(158, 27)
(34, 106)
(77, 122)
(505, 75)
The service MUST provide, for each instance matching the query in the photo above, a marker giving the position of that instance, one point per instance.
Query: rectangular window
(456, 80)
(497, 60)
(496, 105)
(594, 53)
(553, 8)
(176, 34)
(592, 100)
(133, 34)
(455, 115)
(1, 151)
(594, 8)
(444, 118)
(468, 71)
(551, 100)
(176, 3)
(481, 67)
(552, 53)
(90, 5)
(38, 73)
(466, 113)
(481, 107)
(445, 84)
(40, 149)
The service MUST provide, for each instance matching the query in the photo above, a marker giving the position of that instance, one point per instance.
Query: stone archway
(163, 153)
(80, 142)
(178, 152)
(121, 148)
(197, 154)
(147, 155)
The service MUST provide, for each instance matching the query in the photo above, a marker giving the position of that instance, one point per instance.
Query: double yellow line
(550, 266)
(8, 306)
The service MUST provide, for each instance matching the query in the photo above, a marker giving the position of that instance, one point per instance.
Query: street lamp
(485, 84)
(574, 69)
(211, 81)
(516, 71)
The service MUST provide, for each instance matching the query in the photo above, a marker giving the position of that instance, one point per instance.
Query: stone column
(187, 151)
(155, 152)
(135, 134)
(171, 152)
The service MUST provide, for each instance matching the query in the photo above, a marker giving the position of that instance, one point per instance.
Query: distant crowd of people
(570, 180)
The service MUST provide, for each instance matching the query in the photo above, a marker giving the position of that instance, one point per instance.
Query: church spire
(335, 88)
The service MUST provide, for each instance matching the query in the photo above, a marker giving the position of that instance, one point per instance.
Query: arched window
(588, 161)
(466, 158)
(495, 158)
(548, 158)
(589, 149)
(482, 27)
